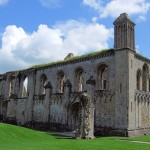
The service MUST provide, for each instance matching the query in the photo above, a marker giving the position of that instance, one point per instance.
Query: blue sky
(40, 31)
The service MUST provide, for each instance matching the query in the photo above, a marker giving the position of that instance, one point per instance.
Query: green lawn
(19, 138)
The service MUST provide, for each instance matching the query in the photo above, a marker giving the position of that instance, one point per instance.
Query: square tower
(124, 32)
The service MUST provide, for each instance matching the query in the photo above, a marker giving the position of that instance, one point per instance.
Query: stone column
(86, 120)
(67, 90)
(136, 112)
(140, 112)
(31, 90)
(48, 88)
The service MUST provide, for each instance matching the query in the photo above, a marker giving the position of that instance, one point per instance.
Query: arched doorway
(75, 112)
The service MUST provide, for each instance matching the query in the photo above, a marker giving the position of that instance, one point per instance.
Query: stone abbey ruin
(106, 92)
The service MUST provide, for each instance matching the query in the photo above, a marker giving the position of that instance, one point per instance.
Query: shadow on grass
(60, 136)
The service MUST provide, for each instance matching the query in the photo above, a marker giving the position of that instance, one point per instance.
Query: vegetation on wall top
(71, 59)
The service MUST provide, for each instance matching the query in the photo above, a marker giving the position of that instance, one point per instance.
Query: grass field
(19, 138)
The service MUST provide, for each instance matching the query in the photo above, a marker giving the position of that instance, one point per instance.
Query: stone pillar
(147, 85)
(140, 113)
(67, 90)
(86, 120)
(136, 112)
(31, 89)
(48, 88)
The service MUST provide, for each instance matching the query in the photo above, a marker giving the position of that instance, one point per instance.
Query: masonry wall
(120, 109)
(139, 106)
(53, 107)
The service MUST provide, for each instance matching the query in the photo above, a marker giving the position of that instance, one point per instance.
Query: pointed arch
(43, 81)
(11, 85)
(145, 77)
(60, 81)
(24, 86)
(138, 79)
(79, 79)
(103, 76)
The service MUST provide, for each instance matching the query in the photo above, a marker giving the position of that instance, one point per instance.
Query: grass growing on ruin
(71, 59)
(18, 138)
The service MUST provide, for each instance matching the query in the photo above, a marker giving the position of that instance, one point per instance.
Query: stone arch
(145, 75)
(75, 113)
(103, 76)
(24, 86)
(79, 78)
(138, 79)
(60, 81)
(43, 82)
(11, 85)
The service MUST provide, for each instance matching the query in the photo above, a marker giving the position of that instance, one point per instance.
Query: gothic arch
(24, 86)
(75, 112)
(43, 81)
(138, 79)
(79, 78)
(145, 77)
(103, 76)
(11, 85)
(60, 81)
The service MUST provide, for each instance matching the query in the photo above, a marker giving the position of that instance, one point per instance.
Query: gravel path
(133, 141)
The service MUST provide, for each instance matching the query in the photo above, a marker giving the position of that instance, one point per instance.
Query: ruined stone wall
(20, 111)
(54, 107)
(139, 98)
(104, 109)
(117, 104)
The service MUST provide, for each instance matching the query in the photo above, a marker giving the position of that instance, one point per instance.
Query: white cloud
(51, 3)
(3, 2)
(115, 7)
(20, 49)
(96, 4)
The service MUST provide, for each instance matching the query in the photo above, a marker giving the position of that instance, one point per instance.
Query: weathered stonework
(107, 93)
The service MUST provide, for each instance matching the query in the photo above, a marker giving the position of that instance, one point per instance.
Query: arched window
(24, 86)
(138, 80)
(103, 77)
(60, 81)
(43, 81)
(11, 86)
(145, 77)
(79, 79)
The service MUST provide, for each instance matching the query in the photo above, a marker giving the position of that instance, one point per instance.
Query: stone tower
(124, 32)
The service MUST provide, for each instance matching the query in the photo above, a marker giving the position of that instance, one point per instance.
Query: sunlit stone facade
(106, 93)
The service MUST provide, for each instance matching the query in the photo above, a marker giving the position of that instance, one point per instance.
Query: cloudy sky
(40, 31)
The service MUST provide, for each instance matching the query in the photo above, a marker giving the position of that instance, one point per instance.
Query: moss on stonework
(71, 59)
